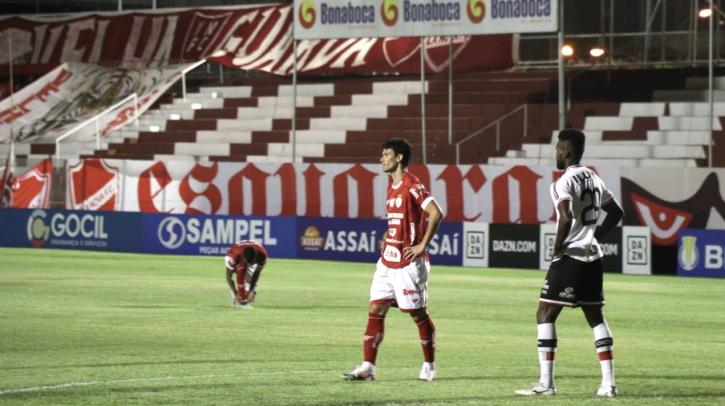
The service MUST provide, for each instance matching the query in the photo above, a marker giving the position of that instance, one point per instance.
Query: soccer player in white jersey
(575, 276)
(401, 275)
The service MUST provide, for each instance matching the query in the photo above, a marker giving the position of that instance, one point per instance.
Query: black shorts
(571, 282)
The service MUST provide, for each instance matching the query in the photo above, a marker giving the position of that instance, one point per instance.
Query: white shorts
(407, 286)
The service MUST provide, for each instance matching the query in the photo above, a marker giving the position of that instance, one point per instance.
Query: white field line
(150, 379)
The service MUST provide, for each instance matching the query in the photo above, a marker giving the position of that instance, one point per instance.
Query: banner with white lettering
(250, 38)
(73, 93)
(475, 193)
(316, 19)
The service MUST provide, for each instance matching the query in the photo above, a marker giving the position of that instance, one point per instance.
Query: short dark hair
(250, 254)
(575, 139)
(400, 146)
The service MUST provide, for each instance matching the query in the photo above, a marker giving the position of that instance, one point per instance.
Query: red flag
(6, 193)
(31, 190)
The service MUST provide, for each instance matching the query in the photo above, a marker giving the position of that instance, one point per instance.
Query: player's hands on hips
(559, 251)
(411, 252)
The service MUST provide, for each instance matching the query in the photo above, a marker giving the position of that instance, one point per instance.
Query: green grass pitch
(84, 328)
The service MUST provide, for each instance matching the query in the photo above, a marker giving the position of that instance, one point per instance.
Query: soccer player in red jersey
(245, 259)
(401, 275)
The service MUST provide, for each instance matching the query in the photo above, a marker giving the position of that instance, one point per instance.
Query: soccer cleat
(427, 372)
(244, 306)
(537, 389)
(607, 391)
(361, 373)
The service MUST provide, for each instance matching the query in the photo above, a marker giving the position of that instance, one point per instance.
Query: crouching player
(245, 259)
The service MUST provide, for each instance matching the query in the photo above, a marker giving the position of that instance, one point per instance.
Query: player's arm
(563, 225)
(253, 281)
(614, 214)
(435, 216)
(230, 281)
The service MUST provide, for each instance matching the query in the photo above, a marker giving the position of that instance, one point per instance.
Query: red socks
(427, 332)
(373, 336)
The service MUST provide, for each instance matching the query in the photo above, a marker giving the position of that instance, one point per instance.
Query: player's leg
(604, 344)
(426, 332)
(546, 341)
(411, 292)
(592, 301)
(556, 293)
(382, 297)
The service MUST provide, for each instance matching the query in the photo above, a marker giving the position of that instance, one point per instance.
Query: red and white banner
(491, 194)
(669, 201)
(73, 93)
(249, 38)
(31, 190)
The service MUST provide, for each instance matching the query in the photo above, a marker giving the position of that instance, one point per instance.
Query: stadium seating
(338, 121)
(654, 134)
(345, 120)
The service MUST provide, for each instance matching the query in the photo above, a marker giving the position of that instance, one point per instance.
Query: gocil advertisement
(98, 230)
(701, 253)
(360, 240)
(213, 235)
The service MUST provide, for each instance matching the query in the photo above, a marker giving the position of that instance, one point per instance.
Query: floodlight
(596, 52)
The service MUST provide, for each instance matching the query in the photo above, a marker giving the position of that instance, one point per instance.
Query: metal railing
(496, 123)
(183, 76)
(132, 96)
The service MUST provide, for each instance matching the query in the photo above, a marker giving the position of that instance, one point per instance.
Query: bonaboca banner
(473, 193)
(316, 19)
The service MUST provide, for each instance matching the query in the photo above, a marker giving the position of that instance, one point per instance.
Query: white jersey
(587, 193)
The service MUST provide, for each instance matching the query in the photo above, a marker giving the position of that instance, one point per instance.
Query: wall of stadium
(456, 243)
(666, 202)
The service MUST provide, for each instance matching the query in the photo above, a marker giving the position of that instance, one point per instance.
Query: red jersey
(406, 219)
(235, 254)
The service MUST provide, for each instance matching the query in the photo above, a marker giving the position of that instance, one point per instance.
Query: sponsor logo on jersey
(568, 293)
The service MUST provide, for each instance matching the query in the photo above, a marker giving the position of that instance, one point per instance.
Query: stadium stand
(252, 122)
(345, 119)
(672, 131)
